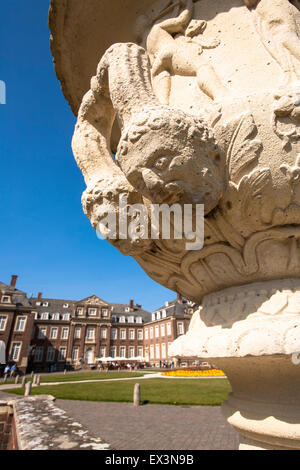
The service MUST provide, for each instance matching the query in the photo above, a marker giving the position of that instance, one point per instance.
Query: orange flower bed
(194, 373)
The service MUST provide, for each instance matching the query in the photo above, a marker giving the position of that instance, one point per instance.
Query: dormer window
(139, 319)
(153, 316)
(45, 316)
(131, 319)
(66, 316)
(45, 304)
(122, 319)
(5, 299)
(65, 305)
(55, 316)
(127, 309)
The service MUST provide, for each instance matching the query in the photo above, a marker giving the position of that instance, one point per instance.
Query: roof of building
(18, 297)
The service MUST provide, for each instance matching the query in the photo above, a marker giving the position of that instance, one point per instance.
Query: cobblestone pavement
(154, 427)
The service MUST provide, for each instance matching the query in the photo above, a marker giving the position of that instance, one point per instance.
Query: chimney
(131, 302)
(40, 295)
(13, 281)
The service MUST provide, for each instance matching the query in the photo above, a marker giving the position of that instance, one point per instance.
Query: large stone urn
(194, 102)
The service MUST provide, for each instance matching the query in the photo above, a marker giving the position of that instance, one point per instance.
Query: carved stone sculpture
(206, 96)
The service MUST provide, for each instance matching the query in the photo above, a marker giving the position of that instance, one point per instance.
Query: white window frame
(77, 332)
(88, 336)
(146, 333)
(66, 317)
(56, 333)
(19, 318)
(131, 334)
(114, 333)
(3, 318)
(12, 356)
(55, 316)
(103, 333)
(140, 335)
(75, 353)
(123, 333)
(92, 310)
(102, 351)
(131, 352)
(64, 333)
(162, 330)
(3, 301)
(123, 351)
(45, 316)
(42, 335)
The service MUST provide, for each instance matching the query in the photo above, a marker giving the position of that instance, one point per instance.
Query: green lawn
(210, 392)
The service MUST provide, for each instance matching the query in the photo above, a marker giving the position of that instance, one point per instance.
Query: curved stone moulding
(252, 320)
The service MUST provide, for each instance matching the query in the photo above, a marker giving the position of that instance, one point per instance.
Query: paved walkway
(154, 427)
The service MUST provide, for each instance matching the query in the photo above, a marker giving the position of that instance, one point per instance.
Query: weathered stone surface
(41, 425)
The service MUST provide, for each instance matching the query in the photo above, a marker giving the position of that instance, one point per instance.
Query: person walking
(7, 371)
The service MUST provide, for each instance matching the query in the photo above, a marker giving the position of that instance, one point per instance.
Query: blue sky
(45, 238)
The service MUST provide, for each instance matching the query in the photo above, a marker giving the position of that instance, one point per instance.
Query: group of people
(10, 371)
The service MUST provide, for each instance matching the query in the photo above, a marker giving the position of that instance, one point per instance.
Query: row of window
(62, 353)
(161, 330)
(124, 334)
(39, 353)
(46, 304)
(52, 316)
(90, 333)
(158, 352)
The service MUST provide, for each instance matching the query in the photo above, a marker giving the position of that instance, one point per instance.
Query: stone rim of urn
(247, 275)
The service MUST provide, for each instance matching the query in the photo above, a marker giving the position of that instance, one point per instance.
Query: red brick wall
(8, 435)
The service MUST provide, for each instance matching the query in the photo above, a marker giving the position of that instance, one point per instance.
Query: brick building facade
(43, 334)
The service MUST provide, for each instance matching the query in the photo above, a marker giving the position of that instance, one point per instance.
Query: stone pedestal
(256, 346)
(264, 405)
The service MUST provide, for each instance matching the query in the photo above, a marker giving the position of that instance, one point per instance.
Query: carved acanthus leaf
(243, 149)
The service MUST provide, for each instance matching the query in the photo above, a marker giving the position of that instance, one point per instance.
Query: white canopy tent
(2, 352)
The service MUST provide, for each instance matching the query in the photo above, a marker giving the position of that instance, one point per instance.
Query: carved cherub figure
(170, 157)
(277, 24)
(175, 47)
(164, 154)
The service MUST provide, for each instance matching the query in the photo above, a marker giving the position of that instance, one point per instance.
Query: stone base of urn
(252, 333)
